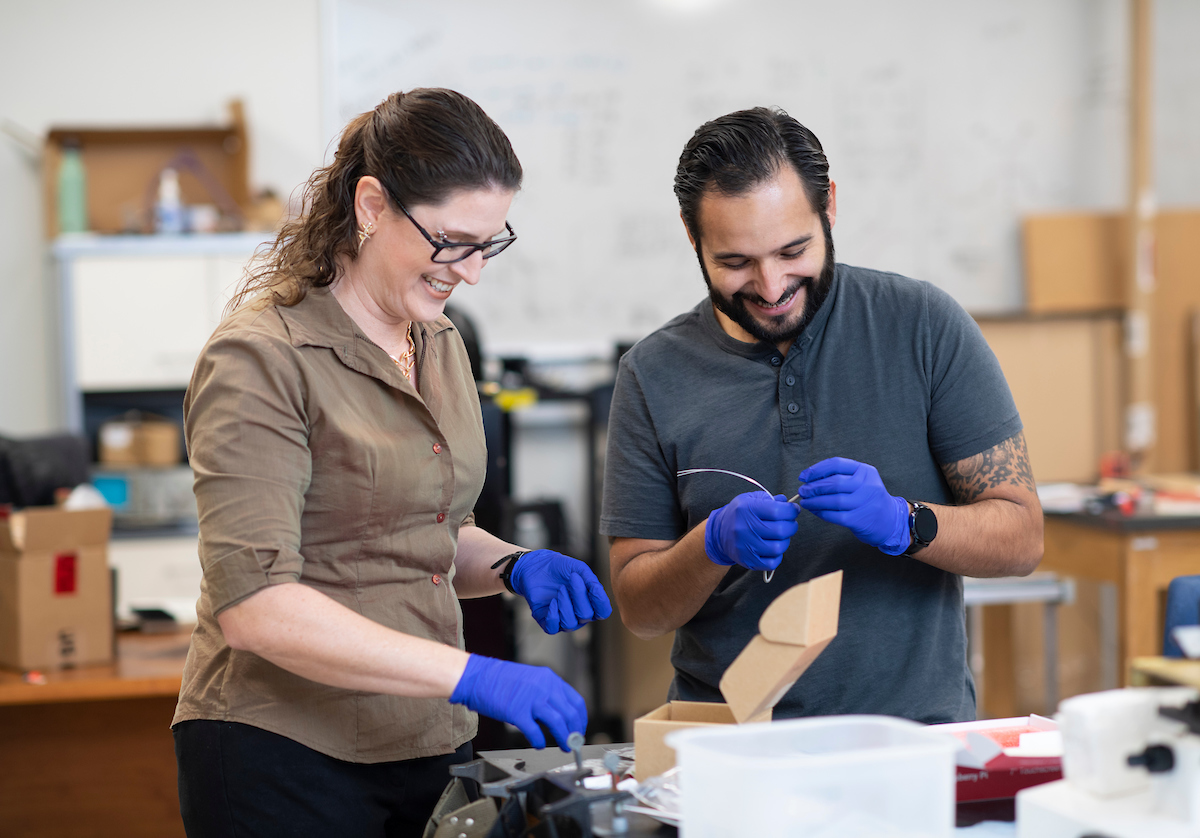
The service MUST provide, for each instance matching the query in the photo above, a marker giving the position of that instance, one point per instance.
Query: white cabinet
(137, 310)
(157, 572)
(139, 322)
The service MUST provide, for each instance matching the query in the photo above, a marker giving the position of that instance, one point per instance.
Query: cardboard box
(55, 588)
(794, 629)
(140, 440)
(991, 765)
(1074, 262)
(654, 756)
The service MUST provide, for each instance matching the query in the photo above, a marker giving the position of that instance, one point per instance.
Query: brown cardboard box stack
(796, 628)
(139, 439)
(55, 588)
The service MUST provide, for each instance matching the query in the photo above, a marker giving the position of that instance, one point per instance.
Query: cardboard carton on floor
(794, 629)
(55, 588)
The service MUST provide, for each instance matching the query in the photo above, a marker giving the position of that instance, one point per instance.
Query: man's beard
(777, 329)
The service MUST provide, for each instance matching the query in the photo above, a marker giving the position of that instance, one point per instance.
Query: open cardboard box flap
(794, 629)
(38, 529)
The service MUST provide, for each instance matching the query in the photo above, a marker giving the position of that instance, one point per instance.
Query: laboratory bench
(1128, 560)
(90, 752)
(1164, 672)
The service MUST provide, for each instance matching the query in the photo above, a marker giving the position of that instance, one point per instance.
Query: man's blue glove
(523, 696)
(752, 530)
(562, 592)
(851, 494)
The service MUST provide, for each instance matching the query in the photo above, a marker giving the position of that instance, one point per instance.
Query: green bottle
(72, 190)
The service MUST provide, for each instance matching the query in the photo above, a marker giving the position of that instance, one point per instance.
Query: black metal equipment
(496, 798)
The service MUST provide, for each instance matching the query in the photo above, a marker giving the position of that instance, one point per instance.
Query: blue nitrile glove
(851, 494)
(562, 592)
(523, 696)
(752, 530)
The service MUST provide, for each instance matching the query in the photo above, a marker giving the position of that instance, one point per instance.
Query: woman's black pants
(238, 781)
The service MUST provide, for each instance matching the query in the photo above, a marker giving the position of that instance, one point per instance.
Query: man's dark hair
(732, 154)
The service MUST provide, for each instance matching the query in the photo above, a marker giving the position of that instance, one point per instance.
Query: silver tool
(575, 743)
(612, 762)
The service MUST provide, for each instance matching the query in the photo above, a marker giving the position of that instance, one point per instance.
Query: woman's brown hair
(423, 145)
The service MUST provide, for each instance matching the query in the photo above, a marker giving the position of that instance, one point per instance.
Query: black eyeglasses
(446, 252)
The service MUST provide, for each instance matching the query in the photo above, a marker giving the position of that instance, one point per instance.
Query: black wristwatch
(506, 574)
(922, 528)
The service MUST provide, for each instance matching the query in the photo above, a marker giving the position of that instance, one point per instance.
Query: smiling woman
(394, 278)
(334, 429)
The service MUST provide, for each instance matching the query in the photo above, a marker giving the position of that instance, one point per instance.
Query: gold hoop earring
(364, 233)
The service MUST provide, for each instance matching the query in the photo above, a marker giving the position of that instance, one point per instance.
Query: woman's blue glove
(851, 494)
(562, 592)
(752, 530)
(523, 696)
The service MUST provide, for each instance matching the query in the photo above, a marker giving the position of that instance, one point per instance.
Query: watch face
(924, 524)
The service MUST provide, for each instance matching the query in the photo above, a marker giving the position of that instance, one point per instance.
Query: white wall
(134, 62)
(1043, 82)
(945, 122)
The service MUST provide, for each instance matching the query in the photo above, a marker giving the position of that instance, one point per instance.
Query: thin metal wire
(688, 471)
(767, 574)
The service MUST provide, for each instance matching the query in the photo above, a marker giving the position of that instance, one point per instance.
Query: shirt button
(442, 515)
(437, 448)
(776, 360)
(791, 379)
(437, 580)
(793, 407)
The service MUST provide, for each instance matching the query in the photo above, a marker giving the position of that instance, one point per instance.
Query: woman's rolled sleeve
(247, 433)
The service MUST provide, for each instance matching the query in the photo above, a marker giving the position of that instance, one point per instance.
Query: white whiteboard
(944, 121)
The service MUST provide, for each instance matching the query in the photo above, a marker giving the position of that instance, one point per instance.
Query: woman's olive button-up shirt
(311, 458)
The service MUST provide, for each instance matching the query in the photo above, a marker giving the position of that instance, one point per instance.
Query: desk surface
(147, 666)
(1155, 672)
(1113, 521)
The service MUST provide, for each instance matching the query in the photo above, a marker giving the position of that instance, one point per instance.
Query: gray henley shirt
(890, 372)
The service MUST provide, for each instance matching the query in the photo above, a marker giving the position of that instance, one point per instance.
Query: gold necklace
(406, 361)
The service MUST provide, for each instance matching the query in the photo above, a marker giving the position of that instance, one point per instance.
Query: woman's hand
(562, 592)
(523, 696)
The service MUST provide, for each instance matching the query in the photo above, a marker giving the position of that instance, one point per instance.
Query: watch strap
(506, 573)
(915, 544)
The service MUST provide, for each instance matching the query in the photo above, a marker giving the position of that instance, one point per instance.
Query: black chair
(32, 470)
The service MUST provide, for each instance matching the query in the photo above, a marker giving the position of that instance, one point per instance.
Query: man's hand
(562, 592)
(851, 494)
(523, 696)
(752, 530)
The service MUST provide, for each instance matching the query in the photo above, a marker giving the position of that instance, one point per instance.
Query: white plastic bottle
(168, 211)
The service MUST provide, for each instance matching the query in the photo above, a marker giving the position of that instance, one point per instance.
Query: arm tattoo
(1006, 463)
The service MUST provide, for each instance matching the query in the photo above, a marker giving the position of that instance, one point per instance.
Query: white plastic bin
(832, 777)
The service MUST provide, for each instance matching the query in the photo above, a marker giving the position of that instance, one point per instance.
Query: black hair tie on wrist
(506, 574)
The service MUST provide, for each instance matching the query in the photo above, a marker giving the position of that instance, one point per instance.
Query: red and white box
(999, 757)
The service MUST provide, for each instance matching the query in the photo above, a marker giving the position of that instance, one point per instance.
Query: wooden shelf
(147, 666)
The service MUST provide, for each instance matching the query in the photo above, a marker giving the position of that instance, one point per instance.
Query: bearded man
(872, 395)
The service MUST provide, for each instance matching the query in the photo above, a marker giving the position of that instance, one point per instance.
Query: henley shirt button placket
(776, 360)
(437, 580)
(441, 516)
(793, 407)
(437, 448)
(790, 380)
